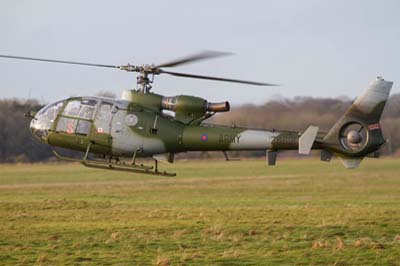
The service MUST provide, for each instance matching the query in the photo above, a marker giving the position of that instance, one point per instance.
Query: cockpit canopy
(73, 116)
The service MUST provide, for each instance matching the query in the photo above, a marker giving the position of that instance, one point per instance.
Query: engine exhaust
(218, 107)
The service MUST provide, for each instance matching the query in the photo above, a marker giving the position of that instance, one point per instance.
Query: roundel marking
(131, 120)
(204, 137)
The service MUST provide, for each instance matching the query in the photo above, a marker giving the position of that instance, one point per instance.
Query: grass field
(301, 212)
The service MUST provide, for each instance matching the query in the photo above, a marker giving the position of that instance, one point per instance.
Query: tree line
(17, 144)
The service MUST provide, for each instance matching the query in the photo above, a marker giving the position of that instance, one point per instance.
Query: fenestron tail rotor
(143, 81)
(353, 136)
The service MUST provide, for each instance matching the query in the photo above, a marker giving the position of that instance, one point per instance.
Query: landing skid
(126, 167)
(117, 165)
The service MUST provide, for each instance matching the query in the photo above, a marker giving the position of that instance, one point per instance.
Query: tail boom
(355, 135)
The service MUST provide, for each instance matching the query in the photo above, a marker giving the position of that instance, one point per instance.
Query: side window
(105, 112)
(83, 127)
(103, 118)
(73, 126)
(81, 109)
(72, 108)
(67, 125)
(87, 108)
(86, 112)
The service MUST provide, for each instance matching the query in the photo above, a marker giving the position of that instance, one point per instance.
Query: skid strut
(117, 165)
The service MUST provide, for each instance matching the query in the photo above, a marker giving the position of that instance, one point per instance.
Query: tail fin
(357, 133)
(369, 105)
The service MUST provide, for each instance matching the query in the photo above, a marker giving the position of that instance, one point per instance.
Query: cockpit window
(50, 111)
(86, 112)
(81, 108)
(72, 108)
(44, 119)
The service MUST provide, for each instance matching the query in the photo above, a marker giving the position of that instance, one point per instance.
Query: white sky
(313, 48)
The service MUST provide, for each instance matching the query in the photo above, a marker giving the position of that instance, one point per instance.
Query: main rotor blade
(216, 78)
(56, 61)
(193, 58)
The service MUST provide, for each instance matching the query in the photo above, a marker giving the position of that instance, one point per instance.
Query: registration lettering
(229, 138)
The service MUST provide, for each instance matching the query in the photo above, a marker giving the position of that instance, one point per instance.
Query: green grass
(301, 212)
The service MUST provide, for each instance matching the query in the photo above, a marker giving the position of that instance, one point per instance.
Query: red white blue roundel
(204, 137)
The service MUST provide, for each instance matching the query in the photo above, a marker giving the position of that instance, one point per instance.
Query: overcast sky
(313, 48)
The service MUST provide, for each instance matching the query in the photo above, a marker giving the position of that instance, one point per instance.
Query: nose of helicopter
(42, 121)
(38, 128)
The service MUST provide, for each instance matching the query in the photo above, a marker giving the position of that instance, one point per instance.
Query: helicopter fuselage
(138, 126)
(121, 128)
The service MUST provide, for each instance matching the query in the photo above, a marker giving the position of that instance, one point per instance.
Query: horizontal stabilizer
(306, 140)
(351, 163)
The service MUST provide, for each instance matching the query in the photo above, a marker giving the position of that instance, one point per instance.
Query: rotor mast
(143, 82)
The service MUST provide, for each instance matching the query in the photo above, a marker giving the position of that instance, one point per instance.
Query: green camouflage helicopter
(140, 124)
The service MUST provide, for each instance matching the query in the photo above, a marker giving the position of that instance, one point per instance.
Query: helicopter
(145, 124)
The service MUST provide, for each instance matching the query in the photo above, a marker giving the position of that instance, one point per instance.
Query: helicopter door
(74, 124)
(102, 127)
